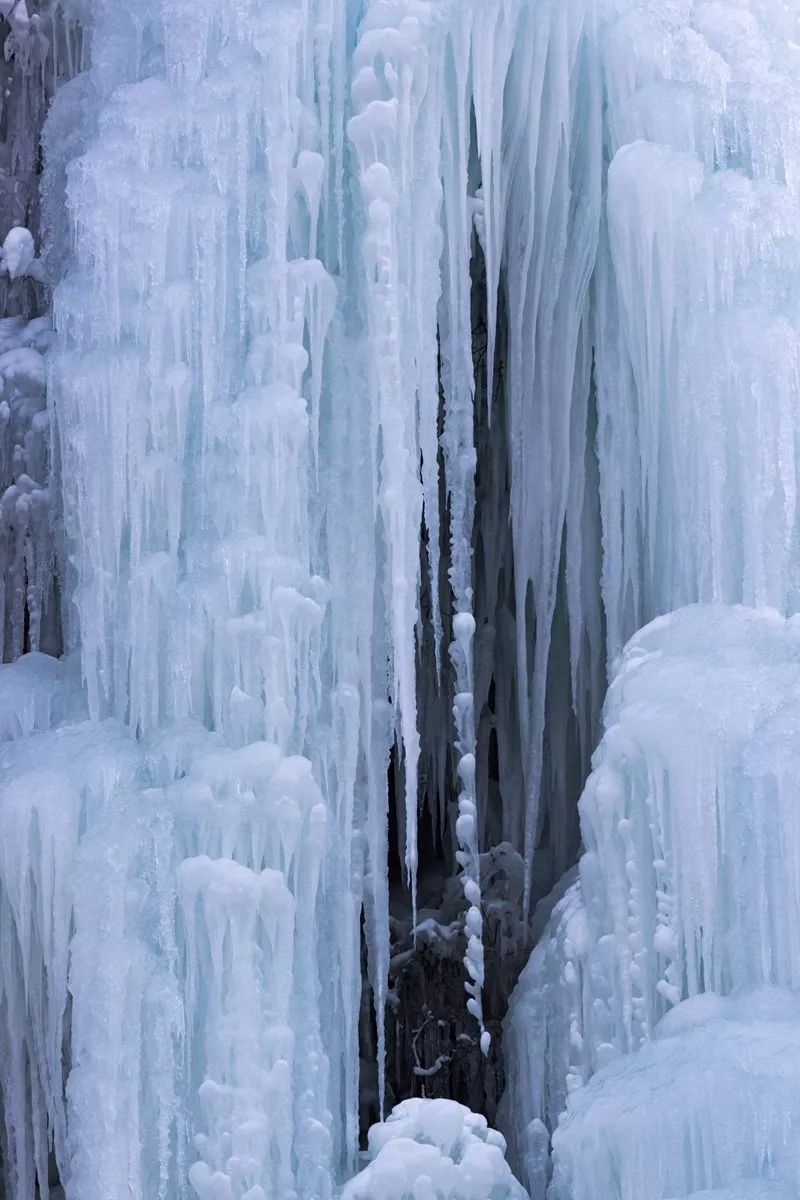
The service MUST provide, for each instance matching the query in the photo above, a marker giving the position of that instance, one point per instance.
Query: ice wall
(185, 393)
(237, 425)
(696, 312)
(695, 343)
(709, 1108)
(258, 367)
(311, 260)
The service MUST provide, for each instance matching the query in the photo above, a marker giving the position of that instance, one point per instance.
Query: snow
(434, 1150)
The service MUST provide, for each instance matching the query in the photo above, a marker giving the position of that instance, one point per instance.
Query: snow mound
(434, 1150)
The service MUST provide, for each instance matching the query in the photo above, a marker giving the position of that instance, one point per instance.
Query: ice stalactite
(200, 461)
(443, 168)
(550, 189)
(190, 594)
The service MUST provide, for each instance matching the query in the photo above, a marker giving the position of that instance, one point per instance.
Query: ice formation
(687, 891)
(719, 1081)
(434, 1150)
(28, 601)
(688, 884)
(409, 356)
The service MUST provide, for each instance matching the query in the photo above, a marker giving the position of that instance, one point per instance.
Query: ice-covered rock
(689, 814)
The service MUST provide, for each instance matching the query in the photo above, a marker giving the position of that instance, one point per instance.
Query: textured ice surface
(689, 816)
(688, 885)
(696, 308)
(556, 1032)
(434, 1150)
(747, 1189)
(712, 1101)
(246, 414)
(179, 962)
(690, 878)
(264, 220)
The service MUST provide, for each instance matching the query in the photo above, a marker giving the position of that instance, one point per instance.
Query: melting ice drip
(264, 310)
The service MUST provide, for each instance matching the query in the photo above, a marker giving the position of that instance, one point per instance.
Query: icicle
(391, 67)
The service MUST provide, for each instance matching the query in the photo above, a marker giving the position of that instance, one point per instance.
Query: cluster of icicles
(267, 224)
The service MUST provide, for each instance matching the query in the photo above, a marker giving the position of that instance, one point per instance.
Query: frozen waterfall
(380, 382)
